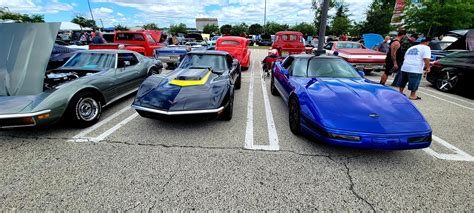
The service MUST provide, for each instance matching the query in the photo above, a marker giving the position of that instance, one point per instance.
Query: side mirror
(361, 73)
(126, 63)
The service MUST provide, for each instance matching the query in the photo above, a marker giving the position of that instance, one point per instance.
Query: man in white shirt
(416, 65)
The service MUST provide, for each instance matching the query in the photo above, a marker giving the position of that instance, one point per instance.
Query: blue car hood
(363, 106)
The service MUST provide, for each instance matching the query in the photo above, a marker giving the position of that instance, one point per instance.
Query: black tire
(447, 81)
(238, 82)
(366, 72)
(154, 71)
(229, 110)
(170, 66)
(273, 89)
(294, 117)
(84, 109)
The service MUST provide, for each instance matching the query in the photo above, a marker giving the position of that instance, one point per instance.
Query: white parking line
(272, 133)
(114, 128)
(81, 136)
(249, 128)
(447, 95)
(459, 105)
(458, 156)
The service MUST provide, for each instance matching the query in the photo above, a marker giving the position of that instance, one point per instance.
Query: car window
(348, 45)
(150, 39)
(228, 42)
(287, 62)
(129, 37)
(123, 57)
(90, 60)
(328, 46)
(216, 62)
(331, 68)
(298, 68)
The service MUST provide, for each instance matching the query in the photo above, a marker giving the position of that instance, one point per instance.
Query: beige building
(201, 22)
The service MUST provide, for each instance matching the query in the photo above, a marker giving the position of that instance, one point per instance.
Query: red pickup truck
(289, 43)
(142, 42)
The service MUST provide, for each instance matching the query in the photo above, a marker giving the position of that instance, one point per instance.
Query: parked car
(237, 47)
(356, 54)
(453, 72)
(265, 40)
(438, 49)
(59, 56)
(212, 42)
(137, 41)
(330, 100)
(289, 43)
(78, 90)
(203, 84)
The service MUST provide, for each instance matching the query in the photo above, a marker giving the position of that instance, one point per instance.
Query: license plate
(285, 53)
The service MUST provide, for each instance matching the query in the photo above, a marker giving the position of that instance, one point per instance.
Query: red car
(289, 43)
(137, 41)
(356, 54)
(237, 47)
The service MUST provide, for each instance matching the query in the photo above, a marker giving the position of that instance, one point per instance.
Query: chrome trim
(189, 112)
(23, 115)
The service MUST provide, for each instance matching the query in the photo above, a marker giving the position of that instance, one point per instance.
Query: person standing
(394, 58)
(98, 39)
(384, 46)
(416, 64)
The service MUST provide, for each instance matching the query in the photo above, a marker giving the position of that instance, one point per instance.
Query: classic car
(212, 42)
(237, 47)
(453, 72)
(264, 40)
(77, 91)
(172, 54)
(288, 43)
(356, 54)
(137, 41)
(59, 56)
(203, 84)
(331, 101)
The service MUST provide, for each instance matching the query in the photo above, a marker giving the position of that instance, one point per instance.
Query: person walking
(394, 58)
(384, 46)
(416, 64)
(98, 39)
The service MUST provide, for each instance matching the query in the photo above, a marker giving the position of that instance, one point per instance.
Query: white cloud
(120, 14)
(36, 6)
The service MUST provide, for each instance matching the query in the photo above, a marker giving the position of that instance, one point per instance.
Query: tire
(154, 71)
(84, 109)
(366, 72)
(294, 117)
(229, 110)
(170, 66)
(447, 81)
(273, 89)
(238, 82)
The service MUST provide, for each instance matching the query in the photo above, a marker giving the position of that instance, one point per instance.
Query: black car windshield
(217, 62)
(331, 68)
(91, 61)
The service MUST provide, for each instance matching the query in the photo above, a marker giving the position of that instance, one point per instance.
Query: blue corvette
(331, 101)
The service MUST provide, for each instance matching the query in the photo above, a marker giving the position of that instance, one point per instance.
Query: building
(201, 22)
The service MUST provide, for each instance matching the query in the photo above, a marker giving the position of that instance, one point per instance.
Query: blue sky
(166, 12)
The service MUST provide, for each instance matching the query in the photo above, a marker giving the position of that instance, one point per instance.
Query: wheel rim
(87, 109)
(448, 81)
(294, 115)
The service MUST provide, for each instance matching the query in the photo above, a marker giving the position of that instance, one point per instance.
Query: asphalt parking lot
(253, 162)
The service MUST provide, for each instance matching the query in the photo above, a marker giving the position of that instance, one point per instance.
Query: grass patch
(259, 47)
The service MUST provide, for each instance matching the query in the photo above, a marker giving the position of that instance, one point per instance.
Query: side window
(328, 46)
(150, 39)
(229, 61)
(287, 63)
(126, 60)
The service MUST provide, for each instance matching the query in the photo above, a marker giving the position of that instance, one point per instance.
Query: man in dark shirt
(394, 58)
(98, 39)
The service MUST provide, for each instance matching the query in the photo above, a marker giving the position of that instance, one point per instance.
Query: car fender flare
(92, 90)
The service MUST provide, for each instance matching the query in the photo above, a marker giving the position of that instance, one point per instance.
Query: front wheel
(273, 89)
(447, 82)
(295, 116)
(229, 110)
(84, 109)
(154, 71)
(238, 82)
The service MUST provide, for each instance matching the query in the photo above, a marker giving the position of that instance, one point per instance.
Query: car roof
(305, 56)
(288, 32)
(209, 52)
(107, 51)
(233, 38)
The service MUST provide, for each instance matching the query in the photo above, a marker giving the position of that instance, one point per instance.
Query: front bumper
(24, 119)
(171, 113)
(379, 141)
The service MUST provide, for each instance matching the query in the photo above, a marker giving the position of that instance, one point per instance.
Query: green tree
(226, 29)
(151, 26)
(83, 22)
(240, 29)
(305, 28)
(341, 23)
(178, 28)
(5, 15)
(211, 29)
(273, 27)
(316, 7)
(379, 16)
(436, 17)
(255, 29)
(120, 27)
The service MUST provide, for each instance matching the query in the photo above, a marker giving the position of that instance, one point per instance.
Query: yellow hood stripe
(185, 83)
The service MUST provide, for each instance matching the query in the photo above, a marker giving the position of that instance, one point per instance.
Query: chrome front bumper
(187, 112)
(16, 119)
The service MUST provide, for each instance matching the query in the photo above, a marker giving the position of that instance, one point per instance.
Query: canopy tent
(72, 26)
(371, 40)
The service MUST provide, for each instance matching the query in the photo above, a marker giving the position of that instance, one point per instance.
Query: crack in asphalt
(351, 187)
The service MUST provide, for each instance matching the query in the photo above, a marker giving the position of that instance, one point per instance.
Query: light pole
(322, 26)
(265, 17)
(90, 10)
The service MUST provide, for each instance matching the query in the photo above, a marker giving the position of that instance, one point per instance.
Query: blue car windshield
(331, 68)
(88, 60)
(216, 62)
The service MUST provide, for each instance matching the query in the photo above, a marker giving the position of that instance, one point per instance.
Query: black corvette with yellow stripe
(203, 83)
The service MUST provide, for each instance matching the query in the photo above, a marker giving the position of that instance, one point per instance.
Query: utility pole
(92, 15)
(322, 26)
(265, 18)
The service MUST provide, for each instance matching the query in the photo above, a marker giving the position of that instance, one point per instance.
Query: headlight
(344, 137)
